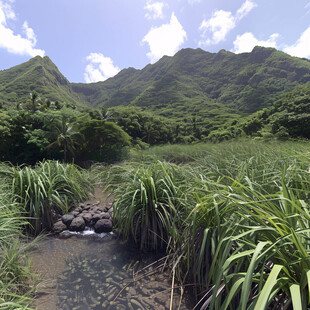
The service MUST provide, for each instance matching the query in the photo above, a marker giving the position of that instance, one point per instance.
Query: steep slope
(39, 74)
(287, 117)
(193, 81)
(243, 82)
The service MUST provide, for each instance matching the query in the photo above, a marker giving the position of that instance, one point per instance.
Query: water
(100, 273)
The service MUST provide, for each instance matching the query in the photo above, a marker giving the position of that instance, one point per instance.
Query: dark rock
(77, 224)
(105, 215)
(86, 208)
(75, 213)
(87, 218)
(103, 225)
(67, 219)
(96, 217)
(59, 226)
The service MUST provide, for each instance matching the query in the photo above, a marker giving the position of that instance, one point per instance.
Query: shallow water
(102, 273)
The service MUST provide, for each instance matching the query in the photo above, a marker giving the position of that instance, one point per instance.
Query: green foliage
(289, 117)
(15, 275)
(241, 230)
(147, 202)
(103, 141)
(59, 134)
(46, 190)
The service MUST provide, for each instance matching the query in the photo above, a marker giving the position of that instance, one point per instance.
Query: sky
(92, 40)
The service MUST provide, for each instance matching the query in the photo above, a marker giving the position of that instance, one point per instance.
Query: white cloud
(219, 25)
(15, 43)
(246, 42)
(165, 40)
(245, 9)
(302, 47)
(100, 68)
(215, 29)
(155, 9)
(29, 33)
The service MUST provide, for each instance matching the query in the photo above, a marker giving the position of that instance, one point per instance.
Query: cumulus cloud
(215, 29)
(100, 68)
(155, 10)
(302, 47)
(15, 43)
(165, 40)
(246, 42)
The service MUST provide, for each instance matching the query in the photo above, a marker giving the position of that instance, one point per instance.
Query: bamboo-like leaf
(266, 291)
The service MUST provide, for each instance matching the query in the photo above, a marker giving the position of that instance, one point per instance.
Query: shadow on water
(87, 273)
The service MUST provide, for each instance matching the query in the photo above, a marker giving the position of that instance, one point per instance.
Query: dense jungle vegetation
(232, 217)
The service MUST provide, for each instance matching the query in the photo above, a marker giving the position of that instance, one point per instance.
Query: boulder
(87, 218)
(59, 226)
(77, 224)
(103, 225)
(67, 219)
(105, 215)
(96, 217)
(75, 213)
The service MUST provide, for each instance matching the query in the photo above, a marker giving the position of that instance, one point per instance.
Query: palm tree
(66, 137)
(33, 97)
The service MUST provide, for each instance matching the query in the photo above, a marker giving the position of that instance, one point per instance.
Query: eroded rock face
(95, 215)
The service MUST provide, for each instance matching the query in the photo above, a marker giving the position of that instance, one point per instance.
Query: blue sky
(92, 40)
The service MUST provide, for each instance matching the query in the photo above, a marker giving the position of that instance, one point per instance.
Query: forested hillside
(193, 80)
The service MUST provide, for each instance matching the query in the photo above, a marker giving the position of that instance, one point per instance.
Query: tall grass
(236, 222)
(147, 202)
(15, 276)
(30, 197)
(45, 190)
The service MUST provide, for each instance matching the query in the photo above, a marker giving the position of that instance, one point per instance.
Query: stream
(90, 272)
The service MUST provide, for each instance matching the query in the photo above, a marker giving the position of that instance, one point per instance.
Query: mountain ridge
(192, 78)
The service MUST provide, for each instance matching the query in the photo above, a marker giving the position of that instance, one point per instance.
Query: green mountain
(38, 74)
(287, 117)
(211, 85)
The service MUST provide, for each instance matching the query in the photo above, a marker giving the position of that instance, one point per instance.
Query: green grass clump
(147, 203)
(17, 283)
(234, 218)
(46, 190)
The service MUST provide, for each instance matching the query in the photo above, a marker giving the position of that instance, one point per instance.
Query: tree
(103, 141)
(66, 137)
(33, 97)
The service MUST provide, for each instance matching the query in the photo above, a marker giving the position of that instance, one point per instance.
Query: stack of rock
(96, 216)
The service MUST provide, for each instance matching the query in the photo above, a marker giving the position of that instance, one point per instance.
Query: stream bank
(84, 270)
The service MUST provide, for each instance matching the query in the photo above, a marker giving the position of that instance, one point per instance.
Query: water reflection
(83, 273)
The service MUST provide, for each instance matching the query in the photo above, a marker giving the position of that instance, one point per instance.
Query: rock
(96, 217)
(67, 219)
(103, 225)
(86, 208)
(87, 218)
(75, 213)
(65, 235)
(105, 215)
(59, 226)
(77, 224)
